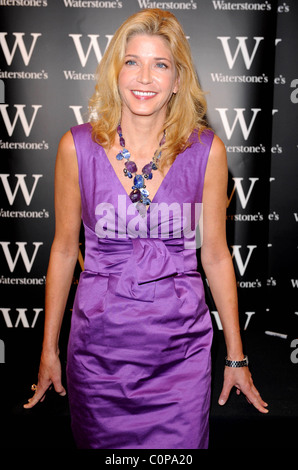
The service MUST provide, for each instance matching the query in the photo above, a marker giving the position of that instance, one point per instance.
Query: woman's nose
(145, 76)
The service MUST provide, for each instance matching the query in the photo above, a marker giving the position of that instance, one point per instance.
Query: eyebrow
(155, 58)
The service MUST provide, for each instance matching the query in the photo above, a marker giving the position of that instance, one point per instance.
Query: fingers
(38, 396)
(242, 380)
(253, 397)
(60, 389)
(40, 393)
(225, 393)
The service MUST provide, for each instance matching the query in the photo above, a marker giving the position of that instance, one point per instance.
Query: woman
(138, 366)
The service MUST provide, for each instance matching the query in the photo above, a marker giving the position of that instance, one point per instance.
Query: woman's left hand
(242, 380)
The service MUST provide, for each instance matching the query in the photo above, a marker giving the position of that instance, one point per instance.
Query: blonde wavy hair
(186, 109)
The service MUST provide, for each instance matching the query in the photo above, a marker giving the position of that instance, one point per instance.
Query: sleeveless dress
(139, 362)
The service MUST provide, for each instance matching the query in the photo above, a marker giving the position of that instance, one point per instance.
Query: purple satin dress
(139, 362)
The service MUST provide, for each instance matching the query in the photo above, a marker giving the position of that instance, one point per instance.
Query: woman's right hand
(49, 375)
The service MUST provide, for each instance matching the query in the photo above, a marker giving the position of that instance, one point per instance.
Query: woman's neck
(141, 133)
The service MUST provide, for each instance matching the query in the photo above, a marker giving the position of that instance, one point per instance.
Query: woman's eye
(130, 62)
(161, 65)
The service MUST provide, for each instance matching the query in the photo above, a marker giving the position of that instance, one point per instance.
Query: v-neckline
(124, 190)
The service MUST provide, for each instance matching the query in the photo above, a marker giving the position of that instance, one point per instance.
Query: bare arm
(63, 258)
(64, 251)
(218, 266)
(215, 255)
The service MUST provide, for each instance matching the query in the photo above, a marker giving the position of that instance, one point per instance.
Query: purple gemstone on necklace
(147, 169)
(139, 194)
(131, 166)
(135, 195)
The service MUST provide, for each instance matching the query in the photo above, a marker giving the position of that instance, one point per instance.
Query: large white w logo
(22, 318)
(238, 258)
(93, 45)
(19, 42)
(20, 184)
(248, 59)
(20, 114)
(238, 187)
(238, 118)
(21, 252)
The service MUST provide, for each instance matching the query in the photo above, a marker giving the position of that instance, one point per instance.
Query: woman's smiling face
(148, 77)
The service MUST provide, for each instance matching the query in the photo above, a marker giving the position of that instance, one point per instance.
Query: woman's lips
(143, 95)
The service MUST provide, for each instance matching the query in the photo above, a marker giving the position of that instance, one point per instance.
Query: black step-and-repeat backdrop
(246, 57)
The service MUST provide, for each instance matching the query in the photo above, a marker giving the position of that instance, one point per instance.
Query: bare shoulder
(66, 144)
(66, 154)
(217, 151)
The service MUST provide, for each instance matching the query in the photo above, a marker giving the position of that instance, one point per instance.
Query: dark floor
(235, 425)
(276, 378)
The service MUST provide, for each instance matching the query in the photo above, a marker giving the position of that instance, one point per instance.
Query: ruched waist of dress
(138, 262)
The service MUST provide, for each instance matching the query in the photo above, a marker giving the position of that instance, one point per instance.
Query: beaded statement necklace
(139, 193)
